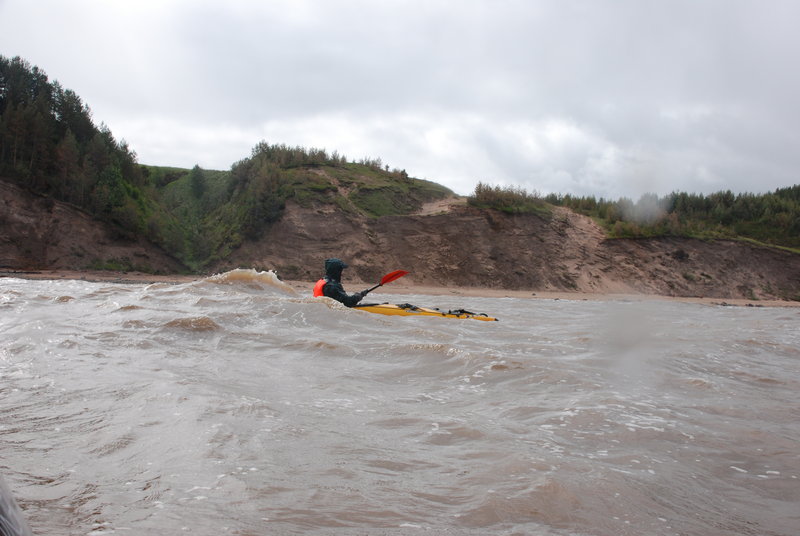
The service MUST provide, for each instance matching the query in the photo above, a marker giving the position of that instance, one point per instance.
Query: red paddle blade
(391, 276)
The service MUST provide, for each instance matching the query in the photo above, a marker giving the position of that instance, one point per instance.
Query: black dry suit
(333, 284)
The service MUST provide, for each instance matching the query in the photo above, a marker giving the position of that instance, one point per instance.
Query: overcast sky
(594, 97)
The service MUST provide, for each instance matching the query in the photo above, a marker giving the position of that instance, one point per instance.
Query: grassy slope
(201, 229)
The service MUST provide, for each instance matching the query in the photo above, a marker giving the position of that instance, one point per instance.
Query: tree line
(49, 144)
(509, 199)
(771, 218)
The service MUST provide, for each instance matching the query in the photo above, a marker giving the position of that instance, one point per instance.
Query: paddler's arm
(333, 289)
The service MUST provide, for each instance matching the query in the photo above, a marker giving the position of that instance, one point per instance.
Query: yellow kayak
(406, 309)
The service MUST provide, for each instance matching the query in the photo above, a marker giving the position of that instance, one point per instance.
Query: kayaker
(331, 284)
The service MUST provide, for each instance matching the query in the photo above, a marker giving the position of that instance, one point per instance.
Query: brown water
(233, 406)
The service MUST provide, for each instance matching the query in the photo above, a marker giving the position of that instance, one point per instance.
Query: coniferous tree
(67, 163)
(197, 182)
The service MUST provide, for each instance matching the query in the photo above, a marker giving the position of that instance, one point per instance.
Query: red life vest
(318, 288)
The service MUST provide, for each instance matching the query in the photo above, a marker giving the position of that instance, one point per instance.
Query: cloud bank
(604, 98)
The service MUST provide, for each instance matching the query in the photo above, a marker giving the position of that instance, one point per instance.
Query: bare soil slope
(39, 233)
(457, 245)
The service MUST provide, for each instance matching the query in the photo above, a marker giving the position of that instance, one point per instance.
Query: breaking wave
(249, 276)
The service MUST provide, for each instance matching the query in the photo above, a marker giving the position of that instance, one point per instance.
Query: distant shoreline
(398, 287)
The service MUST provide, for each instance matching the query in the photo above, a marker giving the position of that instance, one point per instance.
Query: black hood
(334, 267)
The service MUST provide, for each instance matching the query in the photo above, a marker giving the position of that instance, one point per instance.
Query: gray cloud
(607, 98)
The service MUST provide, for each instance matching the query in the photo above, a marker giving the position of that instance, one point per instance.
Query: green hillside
(50, 145)
(206, 214)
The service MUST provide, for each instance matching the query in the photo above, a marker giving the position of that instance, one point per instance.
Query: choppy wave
(232, 405)
(195, 323)
(248, 276)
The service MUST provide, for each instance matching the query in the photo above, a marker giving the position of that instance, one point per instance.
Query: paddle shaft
(372, 288)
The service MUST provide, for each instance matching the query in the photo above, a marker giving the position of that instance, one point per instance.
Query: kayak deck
(406, 309)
